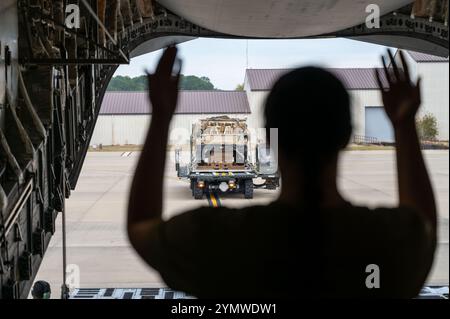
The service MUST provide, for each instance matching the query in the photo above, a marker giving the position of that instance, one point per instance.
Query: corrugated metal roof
(353, 79)
(422, 57)
(189, 102)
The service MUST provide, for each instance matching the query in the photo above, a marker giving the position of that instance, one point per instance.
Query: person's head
(311, 109)
(41, 290)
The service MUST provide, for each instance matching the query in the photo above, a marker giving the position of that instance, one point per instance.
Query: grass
(354, 147)
(137, 148)
(117, 148)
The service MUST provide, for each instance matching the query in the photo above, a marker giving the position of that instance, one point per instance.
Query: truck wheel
(198, 192)
(192, 186)
(248, 188)
(270, 184)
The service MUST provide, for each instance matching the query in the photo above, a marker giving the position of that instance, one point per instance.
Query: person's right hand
(401, 98)
(163, 86)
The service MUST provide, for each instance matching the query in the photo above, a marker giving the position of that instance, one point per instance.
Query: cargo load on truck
(221, 159)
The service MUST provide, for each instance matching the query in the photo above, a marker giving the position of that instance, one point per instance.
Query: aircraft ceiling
(277, 18)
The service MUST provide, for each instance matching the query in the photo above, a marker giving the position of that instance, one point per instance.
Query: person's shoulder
(400, 219)
(377, 216)
(401, 213)
(378, 211)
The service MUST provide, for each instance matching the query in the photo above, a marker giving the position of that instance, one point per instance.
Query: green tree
(190, 82)
(427, 127)
(125, 83)
(240, 87)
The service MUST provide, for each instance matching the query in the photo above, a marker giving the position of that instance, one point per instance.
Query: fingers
(178, 64)
(378, 78)
(167, 61)
(394, 66)
(386, 71)
(418, 89)
(177, 75)
(405, 67)
(149, 78)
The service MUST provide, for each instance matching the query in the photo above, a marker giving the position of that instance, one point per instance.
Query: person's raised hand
(163, 85)
(401, 97)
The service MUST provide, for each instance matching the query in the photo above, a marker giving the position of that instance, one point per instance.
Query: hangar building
(124, 116)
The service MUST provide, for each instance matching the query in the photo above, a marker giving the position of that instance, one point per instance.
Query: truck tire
(248, 188)
(192, 186)
(271, 184)
(198, 192)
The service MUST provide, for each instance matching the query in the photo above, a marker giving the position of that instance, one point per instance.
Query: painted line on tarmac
(213, 199)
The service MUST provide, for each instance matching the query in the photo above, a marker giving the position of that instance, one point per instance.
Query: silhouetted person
(310, 242)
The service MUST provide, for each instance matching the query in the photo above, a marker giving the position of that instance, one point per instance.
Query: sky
(224, 61)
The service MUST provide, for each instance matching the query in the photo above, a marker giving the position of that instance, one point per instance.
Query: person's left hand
(163, 86)
(402, 97)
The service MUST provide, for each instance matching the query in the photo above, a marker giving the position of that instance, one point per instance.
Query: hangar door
(378, 124)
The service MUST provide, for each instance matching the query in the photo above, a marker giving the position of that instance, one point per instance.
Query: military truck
(221, 159)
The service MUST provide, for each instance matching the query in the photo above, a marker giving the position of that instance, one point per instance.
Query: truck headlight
(200, 184)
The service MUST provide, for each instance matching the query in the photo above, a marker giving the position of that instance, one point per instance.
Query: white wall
(131, 129)
(256, 101)
(359, 99)
(435, 94)
(435, 91)
(120, 129)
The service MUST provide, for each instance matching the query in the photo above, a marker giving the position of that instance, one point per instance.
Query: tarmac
(100, 256)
